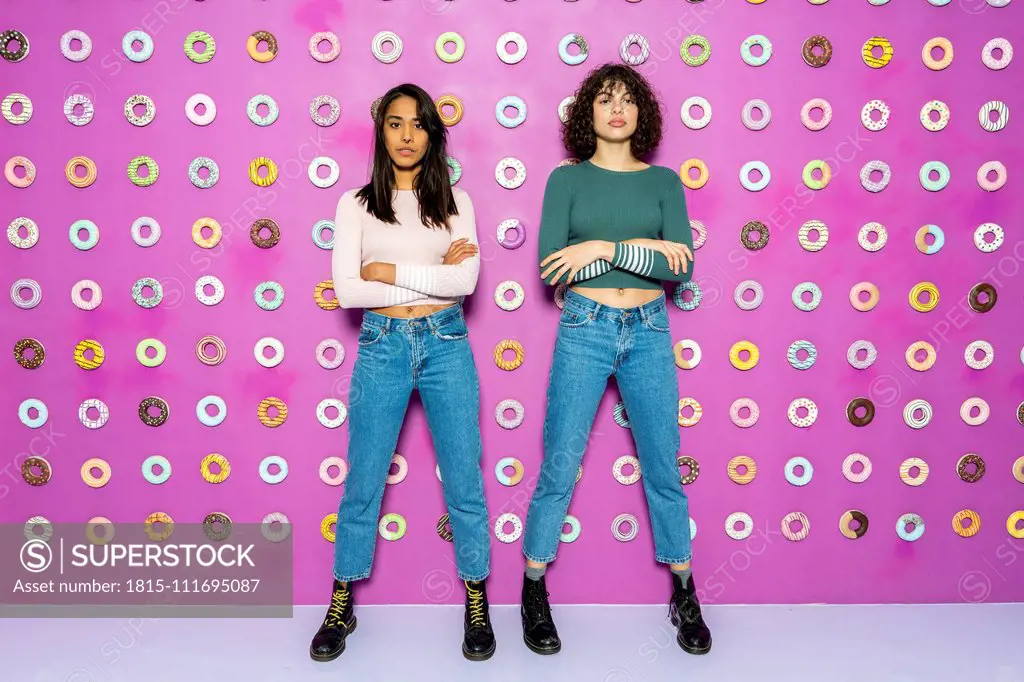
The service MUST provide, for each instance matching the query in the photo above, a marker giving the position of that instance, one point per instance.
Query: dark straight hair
(432, 184)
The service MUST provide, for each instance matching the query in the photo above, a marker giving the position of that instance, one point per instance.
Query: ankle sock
(535, 573)
(683, 573)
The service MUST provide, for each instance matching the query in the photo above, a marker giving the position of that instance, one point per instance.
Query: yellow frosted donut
(97, 357)
(915, 297)
(1011, 524)
(702, 168)
(739, 363)
(870, 59)
(221, 461)
(254, 171)
(325, 526)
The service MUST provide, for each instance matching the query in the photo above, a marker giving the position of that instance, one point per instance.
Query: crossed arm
(381, 284)
(667, 259)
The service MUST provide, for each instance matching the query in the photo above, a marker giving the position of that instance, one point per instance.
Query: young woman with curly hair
(406, 251)
(613, 228)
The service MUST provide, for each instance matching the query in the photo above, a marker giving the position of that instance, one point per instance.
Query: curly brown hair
(578, 132)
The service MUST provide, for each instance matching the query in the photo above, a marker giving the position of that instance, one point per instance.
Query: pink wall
(826, 567)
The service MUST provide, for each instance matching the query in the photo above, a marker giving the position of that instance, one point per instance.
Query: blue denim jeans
(396, 355)
(596, 341)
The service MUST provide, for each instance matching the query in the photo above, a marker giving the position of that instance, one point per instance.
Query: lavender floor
(927, 643)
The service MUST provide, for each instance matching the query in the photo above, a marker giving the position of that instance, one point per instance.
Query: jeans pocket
(452, 329)
(657, 320)
(572, 318)
(369, 334)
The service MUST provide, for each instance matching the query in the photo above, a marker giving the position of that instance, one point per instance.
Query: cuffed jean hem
(361, 576)
(663, 560)
(473, 579)
(536, 560)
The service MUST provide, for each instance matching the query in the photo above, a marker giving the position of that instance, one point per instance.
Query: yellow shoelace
(476, 606)
(339, 599)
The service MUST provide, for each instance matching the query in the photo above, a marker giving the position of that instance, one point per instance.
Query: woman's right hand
(459, 251)
(675, 252)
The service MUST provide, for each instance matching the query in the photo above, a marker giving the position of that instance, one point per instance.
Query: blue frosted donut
(511, 101)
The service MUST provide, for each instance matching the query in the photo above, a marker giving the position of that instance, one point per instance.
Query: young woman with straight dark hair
(406, 251)
(614, 229)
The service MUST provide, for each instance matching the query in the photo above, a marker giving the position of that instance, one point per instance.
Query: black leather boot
(693, 634)
(539, 631)
(329, 641)
(478, 642)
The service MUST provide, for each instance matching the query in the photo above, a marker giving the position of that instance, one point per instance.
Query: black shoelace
(538, 607)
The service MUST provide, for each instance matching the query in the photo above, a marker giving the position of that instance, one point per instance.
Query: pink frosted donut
(339, 353)
(848, 468)
(986, 168)
(79, 300)
(826, 114)
(734, 412)
(702, 233)
(30, 171)
(314, 47)
(997, 44)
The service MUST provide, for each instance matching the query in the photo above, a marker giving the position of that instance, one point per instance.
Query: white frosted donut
(154, 231)
(747, 115)
(515, 181)
(502, 47)
(870, 123)
(82, 53)
(378, 47)
(205, 118)
(691, 122)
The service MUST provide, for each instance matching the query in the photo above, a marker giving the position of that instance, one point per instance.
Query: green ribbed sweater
(585, 202)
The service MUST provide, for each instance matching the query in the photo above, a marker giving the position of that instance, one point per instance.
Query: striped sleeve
(346, 261)
(635, 259)
(448, 281)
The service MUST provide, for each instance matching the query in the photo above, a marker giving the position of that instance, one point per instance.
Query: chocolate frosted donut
(812, 59)
(762, 232)
(974, 301)
(38, 353)
(961, 468)
(444, 528)
(851, 411)
(210, 530)
(44, 471)
(694, 467)
(265, 242)
(147, 418)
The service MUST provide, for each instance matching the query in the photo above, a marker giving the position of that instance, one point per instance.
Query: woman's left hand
(572, 259)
